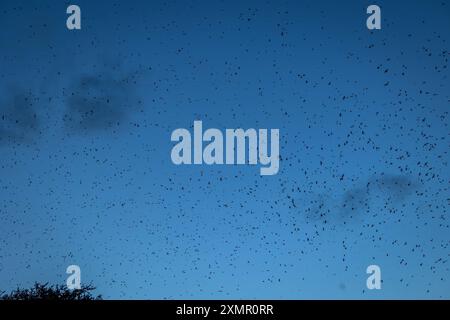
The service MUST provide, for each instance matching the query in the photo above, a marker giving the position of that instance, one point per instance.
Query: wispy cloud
(100, 101)
(18, 117)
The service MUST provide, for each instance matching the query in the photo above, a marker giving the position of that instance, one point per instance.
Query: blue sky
(86, 176)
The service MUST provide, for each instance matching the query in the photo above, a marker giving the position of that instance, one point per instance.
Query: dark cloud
(392, 188)
(18, 117)
(386, 190)
(355, 200)
(395, 187)
(318, 209)
(100, 101)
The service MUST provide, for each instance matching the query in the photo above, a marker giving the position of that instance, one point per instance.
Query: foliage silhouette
(51, 292)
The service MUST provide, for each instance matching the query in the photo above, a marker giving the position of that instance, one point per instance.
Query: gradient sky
(86, 176)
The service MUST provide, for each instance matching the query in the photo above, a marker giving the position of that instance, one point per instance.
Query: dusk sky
(87, 178)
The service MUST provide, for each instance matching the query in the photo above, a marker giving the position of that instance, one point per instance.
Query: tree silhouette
(54, 292)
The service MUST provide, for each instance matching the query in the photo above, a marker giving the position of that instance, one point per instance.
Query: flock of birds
(86, 176)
